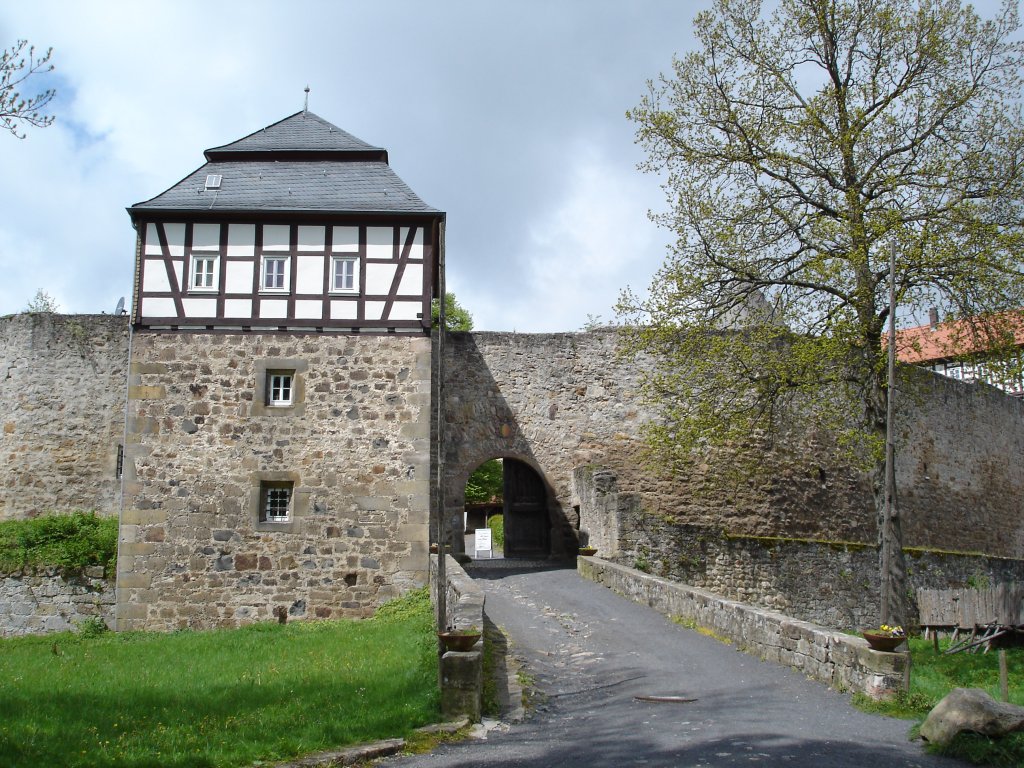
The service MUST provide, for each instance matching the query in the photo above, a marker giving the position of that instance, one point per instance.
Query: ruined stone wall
(62, 399)
(193, 552)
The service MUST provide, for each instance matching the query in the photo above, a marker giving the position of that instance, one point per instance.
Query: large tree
(18, 64)
(800, 148)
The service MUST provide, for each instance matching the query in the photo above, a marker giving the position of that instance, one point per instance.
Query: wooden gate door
(526, 512)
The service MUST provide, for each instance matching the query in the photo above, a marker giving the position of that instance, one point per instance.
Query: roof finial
(305, 107)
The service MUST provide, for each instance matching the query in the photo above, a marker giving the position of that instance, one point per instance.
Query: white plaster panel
(412, 280)
(205, 237)
(310, 276)
(238, 278)
(241, 239)
(178, 266)
(379, 277)
(158, 307)
(274, 308)
(275, 237)
(199, 307)
(380, 242)
(154, 276)
(238, 307)
(405, 310)
(306, 309)
(416, 251)
(344, 310)
(175, 239)
(374, 309)
(345, 240)
(152, 241)
(311, 238)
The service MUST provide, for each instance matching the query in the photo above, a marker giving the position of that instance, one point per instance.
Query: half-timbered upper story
(299, 226)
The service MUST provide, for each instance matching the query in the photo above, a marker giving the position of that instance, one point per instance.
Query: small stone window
(280, 388)
(276, 502)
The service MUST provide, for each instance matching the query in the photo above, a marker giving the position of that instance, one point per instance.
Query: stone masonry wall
(562, 401)
(192, 551)
(44, 601)
(62, 399)
(830, 583)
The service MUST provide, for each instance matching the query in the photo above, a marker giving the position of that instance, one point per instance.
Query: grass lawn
(219, 698)
(933, 675)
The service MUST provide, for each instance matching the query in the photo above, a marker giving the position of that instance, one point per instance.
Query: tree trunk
(894, 605)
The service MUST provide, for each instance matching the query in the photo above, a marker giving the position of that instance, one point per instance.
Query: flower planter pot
(881, 642)
(458, 640)
(588, 551)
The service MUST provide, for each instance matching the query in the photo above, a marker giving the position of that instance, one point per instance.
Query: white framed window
(276, 502)
(280, 388)
(344, 274)
(274, 274)
(203, 273)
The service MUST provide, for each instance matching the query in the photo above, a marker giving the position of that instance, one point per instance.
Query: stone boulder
(971, 709)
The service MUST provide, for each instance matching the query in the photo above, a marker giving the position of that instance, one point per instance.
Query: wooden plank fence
(1001, 605)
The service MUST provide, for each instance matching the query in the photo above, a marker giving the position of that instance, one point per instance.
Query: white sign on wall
(482, 541)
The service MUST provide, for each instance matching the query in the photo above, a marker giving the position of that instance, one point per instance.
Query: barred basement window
(280, 387)
(275, 502)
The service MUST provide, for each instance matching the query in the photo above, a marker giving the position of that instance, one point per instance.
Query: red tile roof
(950, 339)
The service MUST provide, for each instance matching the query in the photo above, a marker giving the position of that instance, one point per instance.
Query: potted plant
(588, 551)
(459, 639)
(885, 638)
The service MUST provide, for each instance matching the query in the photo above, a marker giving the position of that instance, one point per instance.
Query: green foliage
(94, 626)
(69, 542)
(497, 525)
(935, 675)
(16, 66)
(266, 693)
(42, 302)
(457, 318)
(485, 483)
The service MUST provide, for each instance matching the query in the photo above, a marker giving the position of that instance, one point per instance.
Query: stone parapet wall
(460, 673)
(355, 445)
(62, 400)
(842, 661)
(45, 601)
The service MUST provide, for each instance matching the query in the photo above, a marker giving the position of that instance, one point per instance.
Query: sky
(510, 117)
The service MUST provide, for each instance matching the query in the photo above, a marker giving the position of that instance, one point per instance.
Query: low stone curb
(371, 751)
(347, 756)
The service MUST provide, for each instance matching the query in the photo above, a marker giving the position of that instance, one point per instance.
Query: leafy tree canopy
(485, 483)
(16, 66)
(799, 147)
(457, 318)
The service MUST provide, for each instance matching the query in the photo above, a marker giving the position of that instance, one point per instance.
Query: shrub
(70, 542)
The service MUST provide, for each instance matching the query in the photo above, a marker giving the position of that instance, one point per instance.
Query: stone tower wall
(356, 446)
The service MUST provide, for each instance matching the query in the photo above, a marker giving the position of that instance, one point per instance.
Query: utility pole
(891, 540)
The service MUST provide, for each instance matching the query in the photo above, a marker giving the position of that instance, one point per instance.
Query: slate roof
(300, 164)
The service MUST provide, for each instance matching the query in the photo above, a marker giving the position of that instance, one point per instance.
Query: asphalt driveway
(590, 654)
